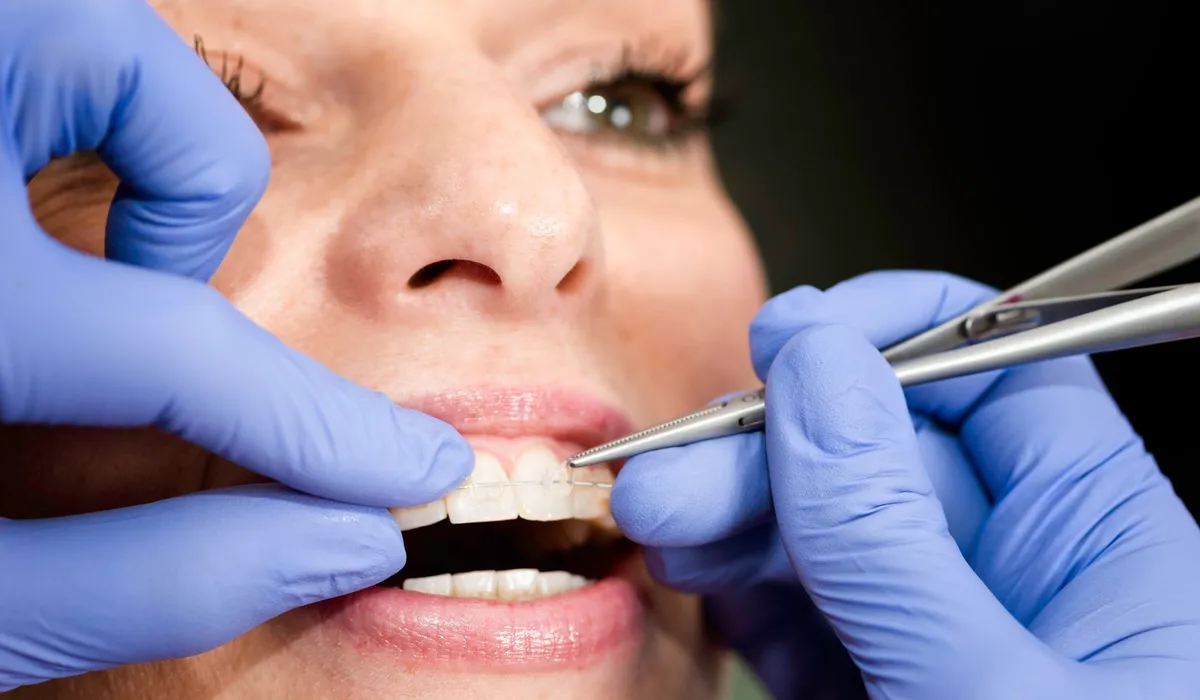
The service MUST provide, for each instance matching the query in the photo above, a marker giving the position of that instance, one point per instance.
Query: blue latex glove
(140, 340)
(1075, 578)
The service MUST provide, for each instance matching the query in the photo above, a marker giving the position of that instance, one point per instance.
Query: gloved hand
(140, 340)
(1076, 577)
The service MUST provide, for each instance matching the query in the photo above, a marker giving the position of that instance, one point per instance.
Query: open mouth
(522, 566)
(522, 528)
(512, 562)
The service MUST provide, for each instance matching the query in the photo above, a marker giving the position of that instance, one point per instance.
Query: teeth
(474, 584)
(483, 505)
(577, 532)
(433, 585)
(419, 516)
(591, 503)
(516, 585)
(554, 582)
(544, 489)
(549, 495)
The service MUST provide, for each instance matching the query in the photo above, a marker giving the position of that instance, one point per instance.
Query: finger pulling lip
(569, 416)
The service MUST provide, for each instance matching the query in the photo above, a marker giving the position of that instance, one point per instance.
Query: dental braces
(596, 484)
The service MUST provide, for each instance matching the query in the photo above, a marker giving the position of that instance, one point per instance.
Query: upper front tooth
(591, 502)
(487, 503)
(546, 494)
(419, 516)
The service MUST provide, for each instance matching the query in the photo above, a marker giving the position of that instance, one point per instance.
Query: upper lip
(560, 414)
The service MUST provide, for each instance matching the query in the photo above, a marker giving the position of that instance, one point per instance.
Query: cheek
(684, 281)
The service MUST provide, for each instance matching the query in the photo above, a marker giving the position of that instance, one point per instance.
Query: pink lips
(554, 413)
(567, 631)
(572, 629)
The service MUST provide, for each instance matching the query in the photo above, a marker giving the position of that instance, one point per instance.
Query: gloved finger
(788, 644)
(178, 577)
(704, 511)
(90, 342)
(1066, 420)
(113, 77)
(736, 563)
(951, 470)
(868, 537)
(690, 495)
(887, 307)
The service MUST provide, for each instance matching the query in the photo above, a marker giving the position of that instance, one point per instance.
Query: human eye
(640, 101)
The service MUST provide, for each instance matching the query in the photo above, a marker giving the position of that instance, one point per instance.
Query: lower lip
(570, 630)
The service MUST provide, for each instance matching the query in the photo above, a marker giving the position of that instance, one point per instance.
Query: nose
(463, 198)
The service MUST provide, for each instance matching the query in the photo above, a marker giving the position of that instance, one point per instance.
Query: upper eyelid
(302, 109)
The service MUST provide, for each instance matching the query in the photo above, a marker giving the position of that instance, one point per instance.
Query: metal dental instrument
(1031, 322)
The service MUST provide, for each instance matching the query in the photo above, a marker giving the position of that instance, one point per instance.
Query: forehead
(495, 23)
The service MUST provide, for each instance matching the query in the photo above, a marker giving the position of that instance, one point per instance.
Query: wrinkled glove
(140, 340)
(847, 553)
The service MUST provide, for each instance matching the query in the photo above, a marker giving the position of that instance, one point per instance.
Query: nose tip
(484, 206)
(450, 250)
(502, 255)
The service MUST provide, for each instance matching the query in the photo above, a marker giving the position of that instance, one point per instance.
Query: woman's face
(501, 213)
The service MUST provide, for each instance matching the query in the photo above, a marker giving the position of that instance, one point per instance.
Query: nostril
(463, 269)
(574, 277)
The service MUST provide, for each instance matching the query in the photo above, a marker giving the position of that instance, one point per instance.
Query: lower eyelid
(623, 157)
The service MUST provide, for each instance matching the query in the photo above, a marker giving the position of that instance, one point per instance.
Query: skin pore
(450, 208)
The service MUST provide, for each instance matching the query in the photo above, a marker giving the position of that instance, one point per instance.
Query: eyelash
(232, 76)
(637, 67)
(642, 66)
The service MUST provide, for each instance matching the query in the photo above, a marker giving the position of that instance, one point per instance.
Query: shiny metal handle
(1162, 318)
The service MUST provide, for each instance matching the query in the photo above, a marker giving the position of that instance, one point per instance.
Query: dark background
(988, 139)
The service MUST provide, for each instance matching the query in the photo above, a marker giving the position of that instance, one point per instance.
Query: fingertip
(437, 459)
(178, 577)
(643, 502)
(836, 371)
(837, 425)
(777, 321)
(695, 494)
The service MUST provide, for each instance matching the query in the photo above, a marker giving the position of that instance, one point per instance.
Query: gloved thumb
(868, 538)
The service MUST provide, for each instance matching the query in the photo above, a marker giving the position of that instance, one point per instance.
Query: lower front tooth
(553, 583)
(517, 585)
(433, 585)
(512, 586)
(475, 584)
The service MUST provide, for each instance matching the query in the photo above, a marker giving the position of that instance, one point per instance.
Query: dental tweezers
(1055, 314)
